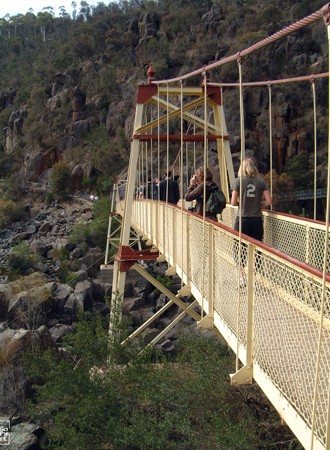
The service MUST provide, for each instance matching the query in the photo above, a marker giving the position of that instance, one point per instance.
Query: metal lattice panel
(287, 236)
(316, 248)
(286, 334)
(228, 298)
(199, 254)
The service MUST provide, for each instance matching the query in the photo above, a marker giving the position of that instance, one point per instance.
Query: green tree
(60, 181)
(298, 169)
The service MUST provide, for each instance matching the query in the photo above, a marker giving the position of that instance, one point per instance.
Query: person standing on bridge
(168, 189)
(255, 195)
(196, 190)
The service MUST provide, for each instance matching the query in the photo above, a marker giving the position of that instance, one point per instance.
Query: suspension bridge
(278, 323)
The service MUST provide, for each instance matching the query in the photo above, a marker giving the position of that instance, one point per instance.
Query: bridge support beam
(166, 291)
(207, 323)
(242, 376)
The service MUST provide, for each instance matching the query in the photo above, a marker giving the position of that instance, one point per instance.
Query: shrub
(60, 181)
(10, 212)
(94, 233)
(49, 198)
(21, 259)
(141, 404)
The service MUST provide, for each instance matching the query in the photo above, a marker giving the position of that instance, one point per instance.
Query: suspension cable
(167, 137)
(270, 143)
(166, 233)
(325, 261)
(274, 82)
(239, 63)
(204, 187)
(222, 182)
(181, 175)
(315, 142)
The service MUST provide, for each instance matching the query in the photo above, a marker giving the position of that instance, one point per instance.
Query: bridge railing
(272, 322)
(300, 238)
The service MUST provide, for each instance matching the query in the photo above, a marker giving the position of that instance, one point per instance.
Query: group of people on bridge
(166, 190)
(255, 195)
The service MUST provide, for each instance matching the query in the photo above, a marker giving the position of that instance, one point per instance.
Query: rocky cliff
(83, 113)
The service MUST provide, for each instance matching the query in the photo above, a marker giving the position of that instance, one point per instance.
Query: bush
(21, 259)
(10, 212)
(49, 198)
(94, 233)
(60, 181)
(140, 405)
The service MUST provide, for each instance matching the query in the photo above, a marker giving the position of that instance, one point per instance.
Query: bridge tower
(200, 106)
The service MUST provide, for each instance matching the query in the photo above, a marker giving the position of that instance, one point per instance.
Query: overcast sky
(14, 7)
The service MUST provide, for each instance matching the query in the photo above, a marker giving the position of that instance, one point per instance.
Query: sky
(14, 7)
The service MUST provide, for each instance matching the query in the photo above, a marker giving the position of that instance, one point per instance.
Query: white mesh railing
(300, 238)
(285, 296)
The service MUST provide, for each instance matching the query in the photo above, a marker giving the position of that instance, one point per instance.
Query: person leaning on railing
(196, 190)
(255, 195)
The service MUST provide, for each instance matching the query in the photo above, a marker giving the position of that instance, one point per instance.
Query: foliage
(283, 187)
(21, 259)
(11, 212)
(49, 198)
(94, 233)
(298, 169)
(28, 282)
(105, 50)
(139, 405)
(165, 281)
(60, 181)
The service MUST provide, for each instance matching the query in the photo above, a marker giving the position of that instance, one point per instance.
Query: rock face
(96, 92)
(42, 310)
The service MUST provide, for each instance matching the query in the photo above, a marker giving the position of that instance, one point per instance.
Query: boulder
(13, 385)
(5, 295)
(101, 308)
(59, 331)
(25, 436)
(101, 291)
(92, 261)
(45, 337)
(28, 308)
(84, 294)
(60, 297)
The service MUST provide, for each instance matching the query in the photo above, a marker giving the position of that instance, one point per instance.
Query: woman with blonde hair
(255, 195)
(196, 190)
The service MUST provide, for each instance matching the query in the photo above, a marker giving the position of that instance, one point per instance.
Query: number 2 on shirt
(250, 190)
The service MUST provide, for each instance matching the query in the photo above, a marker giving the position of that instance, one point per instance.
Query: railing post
(172, 269)
(245, 374)
(207, 321)
(308, 229)
(250, 305)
